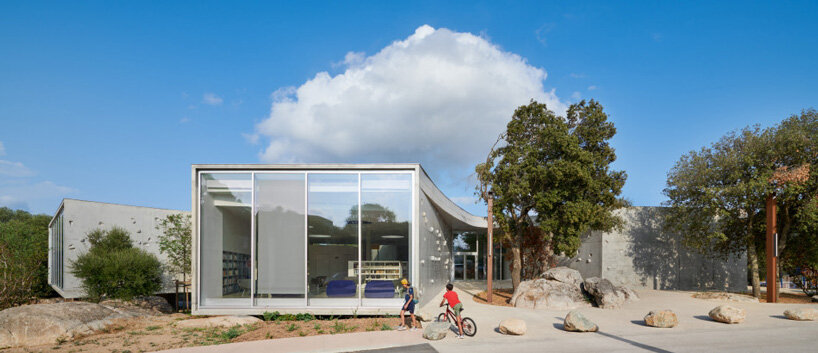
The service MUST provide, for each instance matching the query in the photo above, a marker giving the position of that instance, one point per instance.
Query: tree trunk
(752, 255)
(516, 261)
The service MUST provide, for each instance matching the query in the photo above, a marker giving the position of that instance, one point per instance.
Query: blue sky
(112, 101)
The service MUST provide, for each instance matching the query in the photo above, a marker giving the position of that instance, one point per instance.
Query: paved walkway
(621, 330)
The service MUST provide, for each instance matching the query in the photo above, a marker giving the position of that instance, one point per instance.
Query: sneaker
(460, 337)
(413, 329)
(401, 328)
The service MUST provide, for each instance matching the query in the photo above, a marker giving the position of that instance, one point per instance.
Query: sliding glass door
(280, 201)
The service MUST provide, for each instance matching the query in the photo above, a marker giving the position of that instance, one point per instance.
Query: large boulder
(436, 330)
(139, 306)
(804, 314)
(661, 319)
(218, 321)
(606, 295)
(728, 314)
(576, 322)
(564, 274)
(37, 324)
(548, 294)
(515, 327)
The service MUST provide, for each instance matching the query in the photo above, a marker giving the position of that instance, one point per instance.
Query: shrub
(113, 268)
(23, 257)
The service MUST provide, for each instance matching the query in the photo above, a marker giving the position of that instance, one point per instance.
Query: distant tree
(553, 173)
(113, 268)
(23, 257)
(175, 243)
(716, 196)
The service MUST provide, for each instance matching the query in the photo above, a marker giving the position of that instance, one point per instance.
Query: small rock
(728, 314)
(563, 274)
(805, 314)
(515, 327)
(815, 298)
(577, 322)
(436, 331)
(218, 321)
(662, 319)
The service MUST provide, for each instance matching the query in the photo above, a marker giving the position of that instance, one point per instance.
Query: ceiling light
(320, 236)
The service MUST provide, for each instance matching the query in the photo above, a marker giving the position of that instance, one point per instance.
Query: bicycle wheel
(442, 317)
(469, 327)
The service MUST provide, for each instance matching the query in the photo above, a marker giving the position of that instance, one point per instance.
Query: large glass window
(225, 239)
(386, 215)
(57, 250)
(280, 243)
(332, 233)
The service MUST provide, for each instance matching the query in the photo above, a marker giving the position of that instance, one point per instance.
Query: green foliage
(557, 168)
(113, 268)
(175, 242)
(717, 194)
(291, 327)
(23, 257)
(276, 316)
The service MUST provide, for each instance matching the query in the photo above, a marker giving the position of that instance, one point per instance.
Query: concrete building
(74, 219)
(642, 255)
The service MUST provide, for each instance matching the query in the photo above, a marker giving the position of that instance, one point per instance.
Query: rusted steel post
(490, 251)
(772, 266)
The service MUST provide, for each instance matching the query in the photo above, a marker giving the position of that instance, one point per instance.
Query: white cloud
(2, 149)
(14, 169)
(33, 196)
(212, 99)
(438, 97)
(576, 75)
(576, 95)
(592, 87)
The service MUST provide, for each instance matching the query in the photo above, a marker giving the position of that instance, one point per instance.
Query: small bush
(291, 328)
(113, 268)
(270, 316)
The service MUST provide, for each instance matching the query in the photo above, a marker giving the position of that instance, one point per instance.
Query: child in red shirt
(457, 306)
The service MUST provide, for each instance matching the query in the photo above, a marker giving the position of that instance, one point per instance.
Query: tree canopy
(554, 173)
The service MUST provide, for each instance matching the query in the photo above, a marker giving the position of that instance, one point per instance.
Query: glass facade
(294, 239)
(57, 251)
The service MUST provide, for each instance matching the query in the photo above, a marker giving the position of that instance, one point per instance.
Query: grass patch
(152, 328)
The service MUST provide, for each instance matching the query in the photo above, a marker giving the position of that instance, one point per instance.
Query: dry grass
(148, 334)
(500, 297)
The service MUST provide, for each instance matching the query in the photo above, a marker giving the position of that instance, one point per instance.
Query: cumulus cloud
(212, 99)
(438, 97)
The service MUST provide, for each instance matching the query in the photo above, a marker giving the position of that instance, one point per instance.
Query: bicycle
(469, 327)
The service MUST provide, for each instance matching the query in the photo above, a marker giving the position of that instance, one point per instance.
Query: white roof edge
(448, 206)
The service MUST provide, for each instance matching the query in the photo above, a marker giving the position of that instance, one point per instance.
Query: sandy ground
(148, 334)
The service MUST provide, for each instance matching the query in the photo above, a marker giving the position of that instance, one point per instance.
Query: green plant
(302, 333)
(291, 327)
(231, 333)
(386, 327)
(268, 316)
(152, 328)
(317, 326)
(113, 268)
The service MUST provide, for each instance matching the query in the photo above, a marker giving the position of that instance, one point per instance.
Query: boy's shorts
(457, 308)
(410, 308)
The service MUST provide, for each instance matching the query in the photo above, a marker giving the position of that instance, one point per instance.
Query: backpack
(415, 297)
